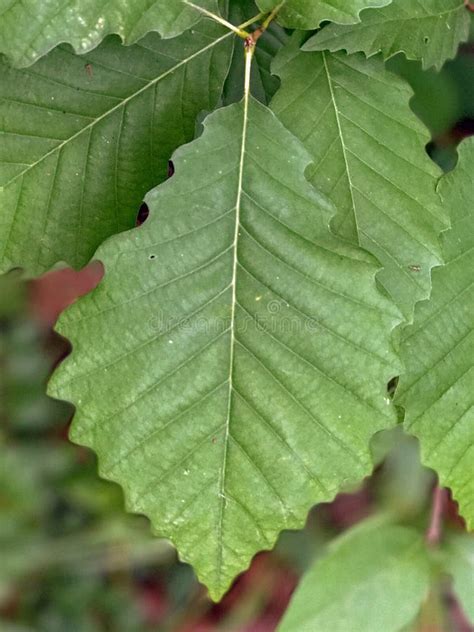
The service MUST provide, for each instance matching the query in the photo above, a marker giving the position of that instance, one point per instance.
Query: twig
(240, 30)
(273, 15)
(261, 30)
(236, 29)
(256, 18)
(435, 529)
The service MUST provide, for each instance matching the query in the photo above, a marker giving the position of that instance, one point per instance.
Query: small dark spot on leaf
(170, 168)
(89, 70)
(152, 257)
(426, 40)
(214, 440)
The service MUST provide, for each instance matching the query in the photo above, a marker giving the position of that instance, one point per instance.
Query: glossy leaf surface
(308, 14)
(31, 28)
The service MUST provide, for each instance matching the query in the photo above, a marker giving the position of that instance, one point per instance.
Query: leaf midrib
(343, 144)
(116, 107)
(235, 263)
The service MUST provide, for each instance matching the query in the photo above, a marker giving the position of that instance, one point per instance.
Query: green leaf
(459, 562)
(373, 578)
(263, 83)
(437, 387)
(368, 151)
(231, 368)
(31, 28)
(84, 138)
(429, 30)
(308, 14)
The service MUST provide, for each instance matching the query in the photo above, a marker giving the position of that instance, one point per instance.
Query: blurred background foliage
(443, 100)
(72, 560)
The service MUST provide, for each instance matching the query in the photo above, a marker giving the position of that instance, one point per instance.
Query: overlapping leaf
(308, 14)
(31, 28)
(368, 148)
(437, 388)
(230, 370)
(84, 138)
(429, 30)
(386, 566)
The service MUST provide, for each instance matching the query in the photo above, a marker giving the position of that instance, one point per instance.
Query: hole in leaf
(152, 257)
(430, 148)
(142, 215)
(392, 386)
(170, 168)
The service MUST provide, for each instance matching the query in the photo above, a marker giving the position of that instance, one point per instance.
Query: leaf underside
(384, 565)
(437, 386)
(86, 137)
(31, 28)
(231, 368)
(354, 118)
(428, 30)
(308, 14)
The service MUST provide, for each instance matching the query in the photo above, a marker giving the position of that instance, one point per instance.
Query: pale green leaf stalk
(263, 83)
(427, 30)
(437, 387)
(354, 118)
(231, 368)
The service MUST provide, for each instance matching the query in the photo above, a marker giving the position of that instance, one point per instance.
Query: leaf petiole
(249, 51)
(256, 18)
(266, 23)
(240, 30)
(236, 29)
(272, 15)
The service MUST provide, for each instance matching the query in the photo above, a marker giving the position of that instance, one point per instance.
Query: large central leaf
(437, 388)
(430, 30)
(30, 28)
(308, 14)
(84, 138)
(368, 148)
(231, 368)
